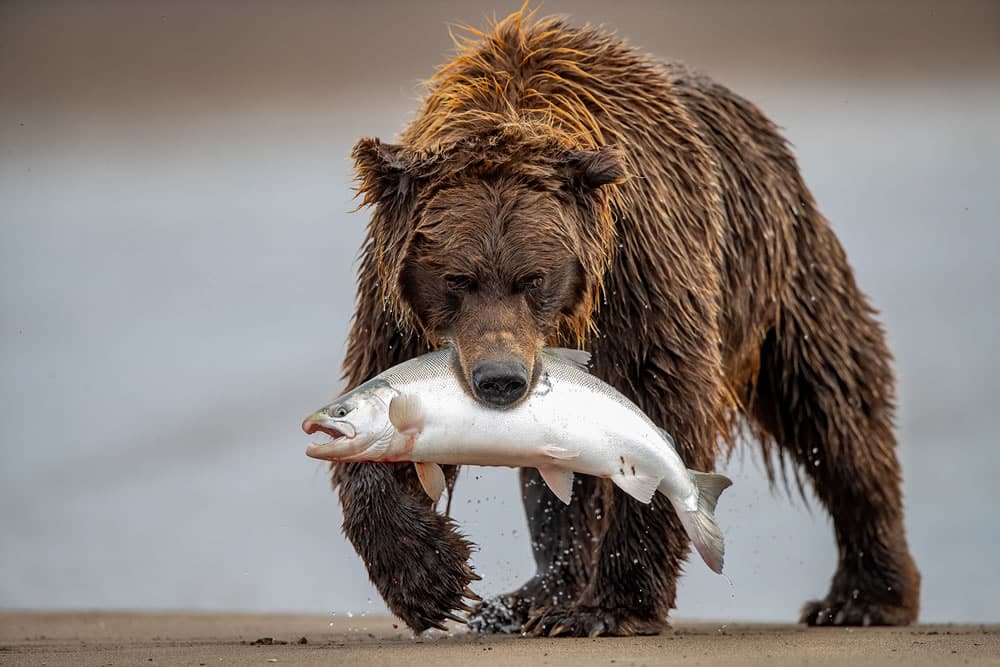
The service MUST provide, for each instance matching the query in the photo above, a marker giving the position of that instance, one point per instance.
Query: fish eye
(340, 412)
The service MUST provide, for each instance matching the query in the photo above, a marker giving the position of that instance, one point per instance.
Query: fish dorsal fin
(557, 452)
(579, 358)
(405, 414)
(666, 436)
(639, 486)
(431, 478)
(559, 480)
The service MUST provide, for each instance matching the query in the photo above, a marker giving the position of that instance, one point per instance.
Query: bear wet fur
(559, 187)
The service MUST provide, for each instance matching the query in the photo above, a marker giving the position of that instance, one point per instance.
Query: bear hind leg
(825, 395)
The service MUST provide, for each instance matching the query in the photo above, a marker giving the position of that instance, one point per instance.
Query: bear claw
(827, 613)
(590, 622)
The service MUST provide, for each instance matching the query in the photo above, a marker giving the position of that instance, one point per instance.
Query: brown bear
(557, 187)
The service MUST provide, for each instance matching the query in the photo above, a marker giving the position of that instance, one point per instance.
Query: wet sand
(84, 639)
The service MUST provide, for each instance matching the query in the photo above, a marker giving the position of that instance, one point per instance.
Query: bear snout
(500, 383)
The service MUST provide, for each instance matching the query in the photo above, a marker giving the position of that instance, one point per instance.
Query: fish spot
(622, 471)
(622, 459)
(633, 470)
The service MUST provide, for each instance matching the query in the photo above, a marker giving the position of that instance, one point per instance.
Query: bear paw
(868, 597)
(833, 612)
(591, 622)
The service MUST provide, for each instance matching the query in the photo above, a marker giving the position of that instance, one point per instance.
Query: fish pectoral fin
(579, 358)
(405, 414)
(559, 480)
(641, 487)
(431, 478)
(557, 452)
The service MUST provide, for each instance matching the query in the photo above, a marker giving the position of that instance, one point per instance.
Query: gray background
(176, 279)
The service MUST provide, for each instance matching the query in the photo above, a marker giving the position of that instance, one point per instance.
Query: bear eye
(533, 281)
(459, 284)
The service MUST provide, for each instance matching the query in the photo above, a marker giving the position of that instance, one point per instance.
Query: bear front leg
(414, 556)
(635, 576)
(562, 544)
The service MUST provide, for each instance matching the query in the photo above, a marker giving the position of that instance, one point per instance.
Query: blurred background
(177, 259)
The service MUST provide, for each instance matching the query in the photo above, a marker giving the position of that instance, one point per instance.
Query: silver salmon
(571, 422)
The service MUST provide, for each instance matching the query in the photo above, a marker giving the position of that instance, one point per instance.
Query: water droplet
(855, 593)
(815, 450)
(816, 463)
(350, 614)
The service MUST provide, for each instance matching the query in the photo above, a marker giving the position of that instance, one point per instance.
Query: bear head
(495, 244)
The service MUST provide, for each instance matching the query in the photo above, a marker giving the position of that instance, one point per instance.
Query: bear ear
(385, 171)
(591, 169)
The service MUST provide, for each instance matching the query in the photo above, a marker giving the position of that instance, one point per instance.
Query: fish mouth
(332, 436)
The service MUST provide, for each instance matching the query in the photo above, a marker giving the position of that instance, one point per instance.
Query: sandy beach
(84, 639)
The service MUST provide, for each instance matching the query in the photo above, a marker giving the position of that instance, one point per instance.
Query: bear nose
(500, 383)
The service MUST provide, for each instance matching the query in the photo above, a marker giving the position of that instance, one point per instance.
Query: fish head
(355, 427)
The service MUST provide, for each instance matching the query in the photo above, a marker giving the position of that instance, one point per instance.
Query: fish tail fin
(700, 525)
